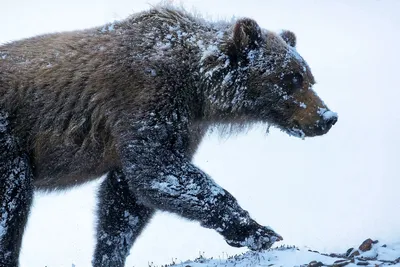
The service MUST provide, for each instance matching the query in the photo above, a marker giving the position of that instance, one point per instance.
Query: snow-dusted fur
(133, 99)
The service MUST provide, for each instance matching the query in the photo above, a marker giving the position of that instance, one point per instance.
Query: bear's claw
(258, 239)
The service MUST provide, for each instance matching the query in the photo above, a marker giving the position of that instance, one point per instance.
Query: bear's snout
(329, 118)
(316, 125)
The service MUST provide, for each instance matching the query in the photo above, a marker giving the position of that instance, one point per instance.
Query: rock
(340, 264)
(367, 245)
(349, 251)
(340, 261)
(354, 253)
(315, 264)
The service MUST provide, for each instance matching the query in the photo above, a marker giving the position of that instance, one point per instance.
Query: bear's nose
(331, 121)
(330, 118)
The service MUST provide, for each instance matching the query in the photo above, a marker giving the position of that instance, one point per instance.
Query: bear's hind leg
(16, 193)
(120, 220)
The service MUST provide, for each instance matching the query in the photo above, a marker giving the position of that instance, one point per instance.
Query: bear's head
(264, 79)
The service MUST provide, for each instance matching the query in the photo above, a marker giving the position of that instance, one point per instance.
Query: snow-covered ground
(327, 193)
(377, 255)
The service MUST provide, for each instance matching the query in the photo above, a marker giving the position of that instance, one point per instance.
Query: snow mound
(369, 253)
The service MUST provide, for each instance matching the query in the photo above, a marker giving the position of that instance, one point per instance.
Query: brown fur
(68, 92)
(134, 99)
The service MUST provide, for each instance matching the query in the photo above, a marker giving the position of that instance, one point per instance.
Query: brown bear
(133, 99)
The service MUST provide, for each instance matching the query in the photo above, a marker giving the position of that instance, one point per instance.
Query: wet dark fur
(133, 99)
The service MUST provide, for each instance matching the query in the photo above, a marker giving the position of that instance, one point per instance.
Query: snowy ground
(368, 254)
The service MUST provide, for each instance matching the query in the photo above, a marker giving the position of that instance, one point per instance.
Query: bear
(133, 99)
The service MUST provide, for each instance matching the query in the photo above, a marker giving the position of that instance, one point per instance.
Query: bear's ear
(289, 37)
(246, 35)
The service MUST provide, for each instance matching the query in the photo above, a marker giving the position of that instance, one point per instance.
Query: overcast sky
(328, 193)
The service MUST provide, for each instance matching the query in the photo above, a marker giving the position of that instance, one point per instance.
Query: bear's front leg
(165, 179)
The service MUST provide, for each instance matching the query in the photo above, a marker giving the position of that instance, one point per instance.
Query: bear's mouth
(302, 131)
(296, 132)
(293, 130)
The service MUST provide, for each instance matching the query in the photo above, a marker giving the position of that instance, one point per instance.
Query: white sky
(328, 193)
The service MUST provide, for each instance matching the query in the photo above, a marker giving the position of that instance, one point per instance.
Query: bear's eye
(292, 82)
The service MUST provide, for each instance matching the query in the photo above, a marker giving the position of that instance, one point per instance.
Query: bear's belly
(65, 166)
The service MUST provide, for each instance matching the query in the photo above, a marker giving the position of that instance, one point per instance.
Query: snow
(171, 186)
(296, 132)
(3, 209)
(326, 114)
(302, 105)
(389, 252)
(292, 52)
(209, 51)
(151, 71)
(163, 46)
(329, 115)
(285, 256)
(186, 189)
(108, 28)
(2, 226)
(3, 122)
